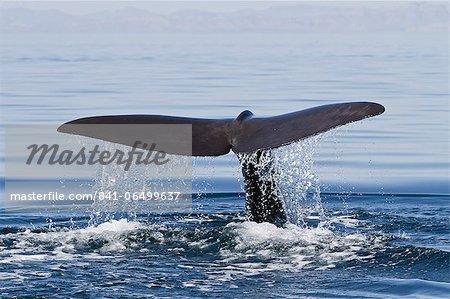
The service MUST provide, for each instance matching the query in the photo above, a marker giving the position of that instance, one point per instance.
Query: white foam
(248, 249)
(31, 246)
(294, 248)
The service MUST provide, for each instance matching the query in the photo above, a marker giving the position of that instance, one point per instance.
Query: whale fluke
(244, 134)
(215, 137)
(272, 132)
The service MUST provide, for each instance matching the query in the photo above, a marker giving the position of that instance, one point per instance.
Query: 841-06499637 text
(97, 196)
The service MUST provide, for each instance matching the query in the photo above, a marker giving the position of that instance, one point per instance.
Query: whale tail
(246, 133)
(215, 137)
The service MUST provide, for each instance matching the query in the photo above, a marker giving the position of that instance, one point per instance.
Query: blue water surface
(383, 183)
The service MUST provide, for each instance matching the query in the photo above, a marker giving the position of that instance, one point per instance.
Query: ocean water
(368, 203)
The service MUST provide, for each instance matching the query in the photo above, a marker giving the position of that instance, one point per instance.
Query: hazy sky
(164, 7)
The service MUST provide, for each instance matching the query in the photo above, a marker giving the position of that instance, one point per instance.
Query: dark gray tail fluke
(211, 137)
(215, 137)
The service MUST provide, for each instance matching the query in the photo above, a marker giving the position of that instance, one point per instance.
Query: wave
(291, 247)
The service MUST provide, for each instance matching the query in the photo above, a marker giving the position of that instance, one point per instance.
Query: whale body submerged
(244, 134)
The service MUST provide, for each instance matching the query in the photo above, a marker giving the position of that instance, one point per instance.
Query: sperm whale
(243, 134)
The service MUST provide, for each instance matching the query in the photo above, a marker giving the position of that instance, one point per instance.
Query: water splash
(125, 189)
(298, 182)
(113, 179)
(291, 167)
